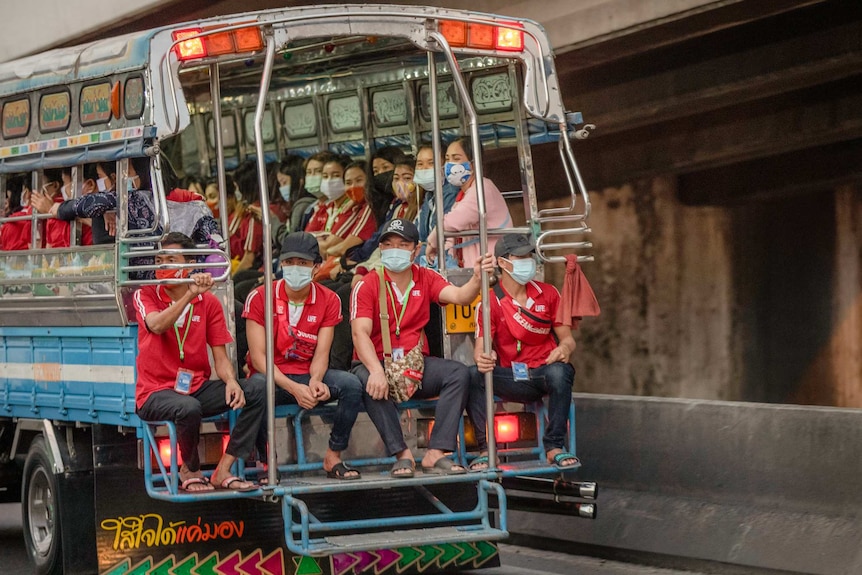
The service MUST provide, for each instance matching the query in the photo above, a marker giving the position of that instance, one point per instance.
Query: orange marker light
(190, 49)
(248, 39)
(218, 44)
(510, 40)
(165, 452)
(506, 428)
(480, 36)
(454, 32)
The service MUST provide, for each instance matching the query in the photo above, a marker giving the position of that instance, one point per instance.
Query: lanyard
(333, 215)
(404, 301)
(182, 342)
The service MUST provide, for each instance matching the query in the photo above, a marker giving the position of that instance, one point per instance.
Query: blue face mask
(296, 277)
(285, 192)
(522, 270)
(458, 174)
(395, 259)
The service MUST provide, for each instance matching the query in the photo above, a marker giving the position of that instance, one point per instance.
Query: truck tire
(40, 510)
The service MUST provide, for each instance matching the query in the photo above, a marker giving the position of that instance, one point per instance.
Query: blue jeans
(445, 379)
(344, 387)
(554, 380)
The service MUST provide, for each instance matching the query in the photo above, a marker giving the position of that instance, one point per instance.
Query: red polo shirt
(294, 346)
(319, 215)
(159, 355)
(16, 235)
(57, 232)
(365, 302)
(356, 220)
(246, 236)
(542, 303)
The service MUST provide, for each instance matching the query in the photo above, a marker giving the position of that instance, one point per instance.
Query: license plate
(461, 318)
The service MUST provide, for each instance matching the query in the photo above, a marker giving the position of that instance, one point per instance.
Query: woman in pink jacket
(465, 213)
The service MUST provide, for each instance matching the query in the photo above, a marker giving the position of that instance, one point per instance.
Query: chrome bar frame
(215, 93)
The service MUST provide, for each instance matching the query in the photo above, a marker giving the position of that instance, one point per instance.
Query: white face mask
(332, 188)
(64, 190)
(25, 200)
(102, 184)
(312, 184)
(238, 195)
(285, 192)
(396, 259)
(424, 178)
(296, 277)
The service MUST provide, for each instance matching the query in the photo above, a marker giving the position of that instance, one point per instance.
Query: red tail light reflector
(248, 39)
(509, 39)
(454, 32)
(507, 428)
(164, 445)
(480, 36)
(191, 48)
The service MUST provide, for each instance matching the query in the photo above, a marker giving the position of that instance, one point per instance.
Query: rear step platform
(404, 538)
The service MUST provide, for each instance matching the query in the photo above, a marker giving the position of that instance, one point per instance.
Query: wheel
(40, 510)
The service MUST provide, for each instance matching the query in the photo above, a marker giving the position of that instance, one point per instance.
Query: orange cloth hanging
(577, 299)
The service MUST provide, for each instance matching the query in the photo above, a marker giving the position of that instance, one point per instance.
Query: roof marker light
(510, 39)
(190, 49)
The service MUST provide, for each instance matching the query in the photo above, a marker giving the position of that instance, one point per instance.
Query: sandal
(340, 471)
(245, 487)
(444, 466)
(400, 465)
(479, 464)
(563, 456)
(196, 481)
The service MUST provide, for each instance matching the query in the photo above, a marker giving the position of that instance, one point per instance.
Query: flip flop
(340, 471)
(228, 481)
(196, 481)
(443, 466)
(403, 464)
(562, 456)
(482, 461)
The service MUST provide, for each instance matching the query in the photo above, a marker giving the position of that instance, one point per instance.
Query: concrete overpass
(726, 169)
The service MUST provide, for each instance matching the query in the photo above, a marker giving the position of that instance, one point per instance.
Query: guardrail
(755, 485)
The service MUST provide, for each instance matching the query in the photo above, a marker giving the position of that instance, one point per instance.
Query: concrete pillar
(663, 278)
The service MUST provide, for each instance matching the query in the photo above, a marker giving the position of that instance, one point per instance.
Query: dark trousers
(554, 380)
(341, 352)
(443, 378)
(187, 411)
(343, 387)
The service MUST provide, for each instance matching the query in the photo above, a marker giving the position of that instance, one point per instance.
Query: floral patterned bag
(404, 375)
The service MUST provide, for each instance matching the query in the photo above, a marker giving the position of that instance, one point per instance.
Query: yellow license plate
(461, 318)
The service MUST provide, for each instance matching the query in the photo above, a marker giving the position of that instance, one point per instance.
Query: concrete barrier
(765, 486)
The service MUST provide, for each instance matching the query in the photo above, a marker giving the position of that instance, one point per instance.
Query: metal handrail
(473, 121)
(161, 216)
(573, 178)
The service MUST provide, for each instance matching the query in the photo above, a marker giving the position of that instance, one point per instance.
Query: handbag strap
(384, 316)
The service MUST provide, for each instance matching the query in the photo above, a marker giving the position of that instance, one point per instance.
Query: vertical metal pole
(34, 225)
(215, 91)
(438, 155)
(267, 252)
(473, 123)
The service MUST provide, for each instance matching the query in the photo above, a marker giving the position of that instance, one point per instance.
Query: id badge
(397, 353)
(520, 371)
(184, 381)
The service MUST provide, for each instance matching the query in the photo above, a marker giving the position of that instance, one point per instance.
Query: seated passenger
(409, 291)
(244, 229)
(465, 213)
(405, 190)
(532, 349)
(425, 177)
(15, 236)
(57, 232)
(176, 323)
(305, 314)
(313, 180)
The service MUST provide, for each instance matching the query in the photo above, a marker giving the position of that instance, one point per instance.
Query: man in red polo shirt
(176, 323)
(532, 346)
(410, 291)
(305, 314)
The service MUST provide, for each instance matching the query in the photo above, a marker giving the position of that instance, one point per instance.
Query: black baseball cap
(514, 245)
(404, 228)
(300, 245)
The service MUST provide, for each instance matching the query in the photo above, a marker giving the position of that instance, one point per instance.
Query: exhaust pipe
(556, 487)
(535, 505)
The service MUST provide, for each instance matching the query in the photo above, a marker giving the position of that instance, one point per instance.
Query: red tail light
(507, 428)
(165, 452)
(191, 48)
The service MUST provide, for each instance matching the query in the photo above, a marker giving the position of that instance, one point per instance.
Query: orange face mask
(213, 206)
(171, 274)
(356, 193)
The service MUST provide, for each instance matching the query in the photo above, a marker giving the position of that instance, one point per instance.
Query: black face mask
(383, 183)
